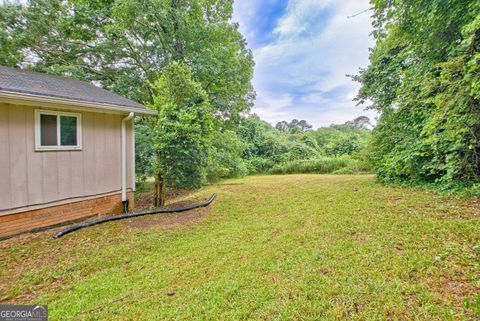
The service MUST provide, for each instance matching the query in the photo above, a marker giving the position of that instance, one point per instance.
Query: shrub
(226, 157)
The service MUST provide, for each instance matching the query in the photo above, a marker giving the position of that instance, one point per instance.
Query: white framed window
(56, 130)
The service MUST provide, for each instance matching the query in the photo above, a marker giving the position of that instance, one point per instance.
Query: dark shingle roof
(39, 84)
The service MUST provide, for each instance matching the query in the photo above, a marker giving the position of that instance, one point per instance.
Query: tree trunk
(160, 190)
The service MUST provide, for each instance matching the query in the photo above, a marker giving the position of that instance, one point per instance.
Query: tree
(295, 125)
(343, 145)
(283, 126)
(182, 131)
(303, 125)
(264, 145)
(361, 122)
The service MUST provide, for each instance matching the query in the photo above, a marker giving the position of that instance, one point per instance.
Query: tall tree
(361, 122)
(182, 131)
(283, 126)
(295, 125)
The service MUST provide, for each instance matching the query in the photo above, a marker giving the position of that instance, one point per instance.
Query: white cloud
(273, 108)
(297, 19)
(243, 13)
(301, 72)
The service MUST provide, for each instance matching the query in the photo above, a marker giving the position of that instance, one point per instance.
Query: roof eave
(56, 102)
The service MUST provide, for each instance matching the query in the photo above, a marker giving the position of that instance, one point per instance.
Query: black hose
(123, 216)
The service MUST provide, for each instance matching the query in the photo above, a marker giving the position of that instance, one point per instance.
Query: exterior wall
(32, 180)
(36, 219)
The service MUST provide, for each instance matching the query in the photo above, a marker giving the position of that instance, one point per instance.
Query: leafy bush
(257, 165)
(226, 157)
(299, 151)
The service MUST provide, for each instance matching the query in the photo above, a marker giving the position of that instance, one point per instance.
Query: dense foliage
(424, 78)
(269, 149)
(256, 147)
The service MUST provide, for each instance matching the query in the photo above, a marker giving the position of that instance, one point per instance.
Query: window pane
(68, 131)
(48, 130)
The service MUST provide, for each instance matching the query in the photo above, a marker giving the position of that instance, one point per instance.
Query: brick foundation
(16, 223)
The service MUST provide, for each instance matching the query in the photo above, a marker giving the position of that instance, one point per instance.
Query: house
(66, 150)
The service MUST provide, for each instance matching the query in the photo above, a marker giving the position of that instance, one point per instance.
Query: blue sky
(303, 49)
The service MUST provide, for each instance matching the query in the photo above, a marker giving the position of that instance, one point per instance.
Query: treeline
(424, 79)
(253, 146)
(295, 148)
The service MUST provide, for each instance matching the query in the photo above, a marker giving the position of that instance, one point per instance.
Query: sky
(303, 50)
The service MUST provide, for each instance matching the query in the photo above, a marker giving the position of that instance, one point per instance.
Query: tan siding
(34, 160)
(88, 152)
(111, 122)
(50, 176)
(78, 177)
(18, 156)
(129, 153)
(99, 152)
(5, 189)
(117, 166)
(64, 175)
(30, 177)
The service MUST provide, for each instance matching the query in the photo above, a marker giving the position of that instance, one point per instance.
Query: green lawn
(297, 247)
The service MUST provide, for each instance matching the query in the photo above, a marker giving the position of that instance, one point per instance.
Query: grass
(298, 247)
(324, 165)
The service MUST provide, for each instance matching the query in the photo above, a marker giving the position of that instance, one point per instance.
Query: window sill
(58, 149)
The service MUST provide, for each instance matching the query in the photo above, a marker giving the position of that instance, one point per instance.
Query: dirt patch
(144, 200)
(454, 284)
(459, 289)
(231, 184)
(399, 249)
(468, 210)
(168, 220)
(29, 261)
(473, 207)
(449, 290)
(171, 219)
